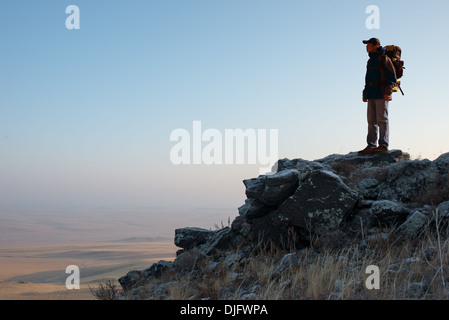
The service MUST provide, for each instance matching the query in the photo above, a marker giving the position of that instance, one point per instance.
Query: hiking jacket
(380, 76)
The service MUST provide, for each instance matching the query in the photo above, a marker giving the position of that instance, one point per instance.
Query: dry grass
(407, 270)
(106, 291)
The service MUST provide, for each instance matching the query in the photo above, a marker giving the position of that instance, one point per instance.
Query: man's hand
(387, 98)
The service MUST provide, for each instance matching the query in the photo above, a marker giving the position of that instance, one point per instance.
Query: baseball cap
(373, 41)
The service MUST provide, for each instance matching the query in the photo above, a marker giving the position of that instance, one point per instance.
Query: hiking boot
(367, 150)
(380, 149)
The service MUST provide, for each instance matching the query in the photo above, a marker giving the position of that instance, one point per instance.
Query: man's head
(372, 44)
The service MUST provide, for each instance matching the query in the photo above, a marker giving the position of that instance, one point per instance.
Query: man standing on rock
(379, 82)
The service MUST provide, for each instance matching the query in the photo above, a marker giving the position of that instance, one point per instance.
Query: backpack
(394, 53)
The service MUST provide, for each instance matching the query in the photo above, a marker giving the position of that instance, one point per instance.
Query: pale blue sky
(86, 115)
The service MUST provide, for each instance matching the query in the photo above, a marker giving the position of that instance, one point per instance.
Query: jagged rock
(443, 209)
(135, 278)
(388, 212)
(279, 187)
(241, 227)
(412, 227)
(406, 180)
(381, 213)
(244, 208)
(254, 186)
(132, 279)
(218, 240)
(304, 167)
(206, 241)
(320, 204)
(360, 222)
(368, 188)
(267, 192)
(442, 162)
(287, 261)
(257, 209)
(189, 237)
(370, 160)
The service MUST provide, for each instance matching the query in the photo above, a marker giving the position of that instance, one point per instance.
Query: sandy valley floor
(35, 250)
(38, 272)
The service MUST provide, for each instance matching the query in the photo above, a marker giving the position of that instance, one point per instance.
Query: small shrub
(106, 291)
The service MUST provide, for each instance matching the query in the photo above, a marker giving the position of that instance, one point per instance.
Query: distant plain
(36, 247)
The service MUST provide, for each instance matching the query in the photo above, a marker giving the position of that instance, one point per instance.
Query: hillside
(313, 230)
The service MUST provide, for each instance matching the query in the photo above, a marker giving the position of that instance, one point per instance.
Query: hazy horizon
(87, 114)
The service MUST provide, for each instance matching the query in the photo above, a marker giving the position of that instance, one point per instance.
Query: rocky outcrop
(320, 204)
(326, 202)
(206, 241)
(137, 278)
(346, 195)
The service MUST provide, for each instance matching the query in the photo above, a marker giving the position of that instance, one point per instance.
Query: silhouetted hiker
(380, 80)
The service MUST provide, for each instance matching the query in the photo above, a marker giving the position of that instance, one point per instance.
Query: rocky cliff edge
(325, 203)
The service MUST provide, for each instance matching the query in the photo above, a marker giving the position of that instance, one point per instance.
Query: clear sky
(86, 115)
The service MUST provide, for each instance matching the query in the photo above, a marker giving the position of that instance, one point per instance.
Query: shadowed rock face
(320, 203)
(349, 195)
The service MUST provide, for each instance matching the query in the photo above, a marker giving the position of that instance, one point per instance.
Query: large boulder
(413, 226)
(376, 213)
(319, 205)
(191, 237)
(406, 180)
(206, 241)
(269, 191)
(136, 278)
